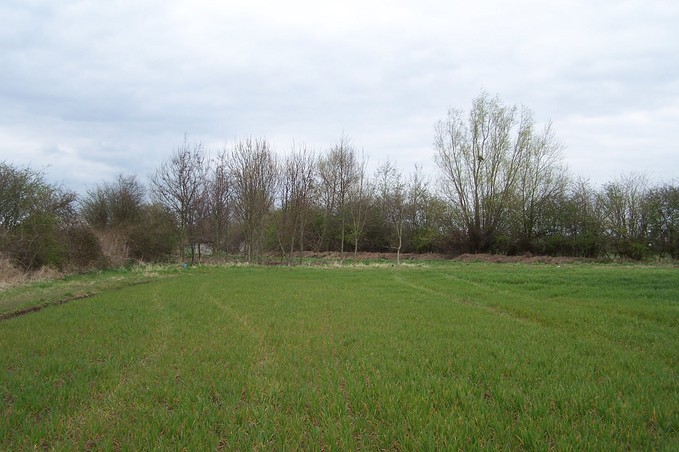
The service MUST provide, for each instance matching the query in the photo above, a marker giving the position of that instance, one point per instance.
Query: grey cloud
(114, 86)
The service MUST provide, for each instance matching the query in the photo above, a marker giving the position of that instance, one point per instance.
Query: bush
(84, 249)
(36, 243)
(629, 249)
(156, 238)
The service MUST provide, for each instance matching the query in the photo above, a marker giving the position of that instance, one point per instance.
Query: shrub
(84, 249)
(155, 238)
(629, 249)
(36, 242)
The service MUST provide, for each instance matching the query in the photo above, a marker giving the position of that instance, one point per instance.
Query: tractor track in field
(465, 301)
(36, 308)
(40, 307)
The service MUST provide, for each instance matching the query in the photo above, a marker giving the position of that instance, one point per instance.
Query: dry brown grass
(114, 246)
(11, 276)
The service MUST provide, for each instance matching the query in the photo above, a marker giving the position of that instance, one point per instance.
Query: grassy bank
(33, 296)
(443, 355)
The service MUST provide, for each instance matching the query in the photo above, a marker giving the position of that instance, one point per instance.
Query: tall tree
(624, 203)
(219, 194)
(664, 219)
(296, 191)
(338, 171)
(327, 198)
(392, 194)
(178, 184)
(480, 157)
(359, 201)
(542, 179)
(420, 215)
(254, 173)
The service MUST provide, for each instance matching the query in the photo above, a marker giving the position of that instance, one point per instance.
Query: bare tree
(359, 201)
(419, 215)
(480, 158)
(338, 174)
(95, 208)
(327, 196)
(626, 214)
(542, 178)
(115, 210)
(254, 173)
(296, 189)
(179, 185)
(114, 204)
(218, 194)
(664, 219)
(579, 220)
(392, 194)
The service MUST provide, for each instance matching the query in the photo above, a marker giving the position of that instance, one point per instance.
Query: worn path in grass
(442, 356)
(31, 297)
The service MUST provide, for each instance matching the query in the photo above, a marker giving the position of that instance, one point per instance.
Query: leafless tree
(577, 220)
(664, 219)
(114, 204)
(480, 157)
(359, 201)
(254, 172)
(296, 190)
(418, 200)
(392, 194)
(337, 174)
(327, 198)
(218, 195)
(542, 178)
(115, 210)
(422, 214)
(624, 205)
(179, 184)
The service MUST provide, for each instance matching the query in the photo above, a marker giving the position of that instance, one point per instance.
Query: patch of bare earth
(481, 257)
(373, 256)
(523, 258)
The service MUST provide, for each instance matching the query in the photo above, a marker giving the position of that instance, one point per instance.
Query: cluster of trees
(249, 201)
(503, 188)
(39, 224)
(509, 192)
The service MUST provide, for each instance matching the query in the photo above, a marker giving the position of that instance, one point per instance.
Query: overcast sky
(90, 89)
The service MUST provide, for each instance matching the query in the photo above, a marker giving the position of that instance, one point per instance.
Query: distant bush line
(502, 188)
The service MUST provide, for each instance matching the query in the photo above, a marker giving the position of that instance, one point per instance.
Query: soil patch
(349, 255)
(524, 258)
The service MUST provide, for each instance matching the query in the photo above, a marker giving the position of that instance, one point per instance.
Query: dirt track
(525, 258)
(493, 258)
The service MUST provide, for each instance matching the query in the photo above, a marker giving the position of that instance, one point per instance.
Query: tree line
(502, 188)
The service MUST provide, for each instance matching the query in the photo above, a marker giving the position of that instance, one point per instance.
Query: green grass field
(438, 356)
